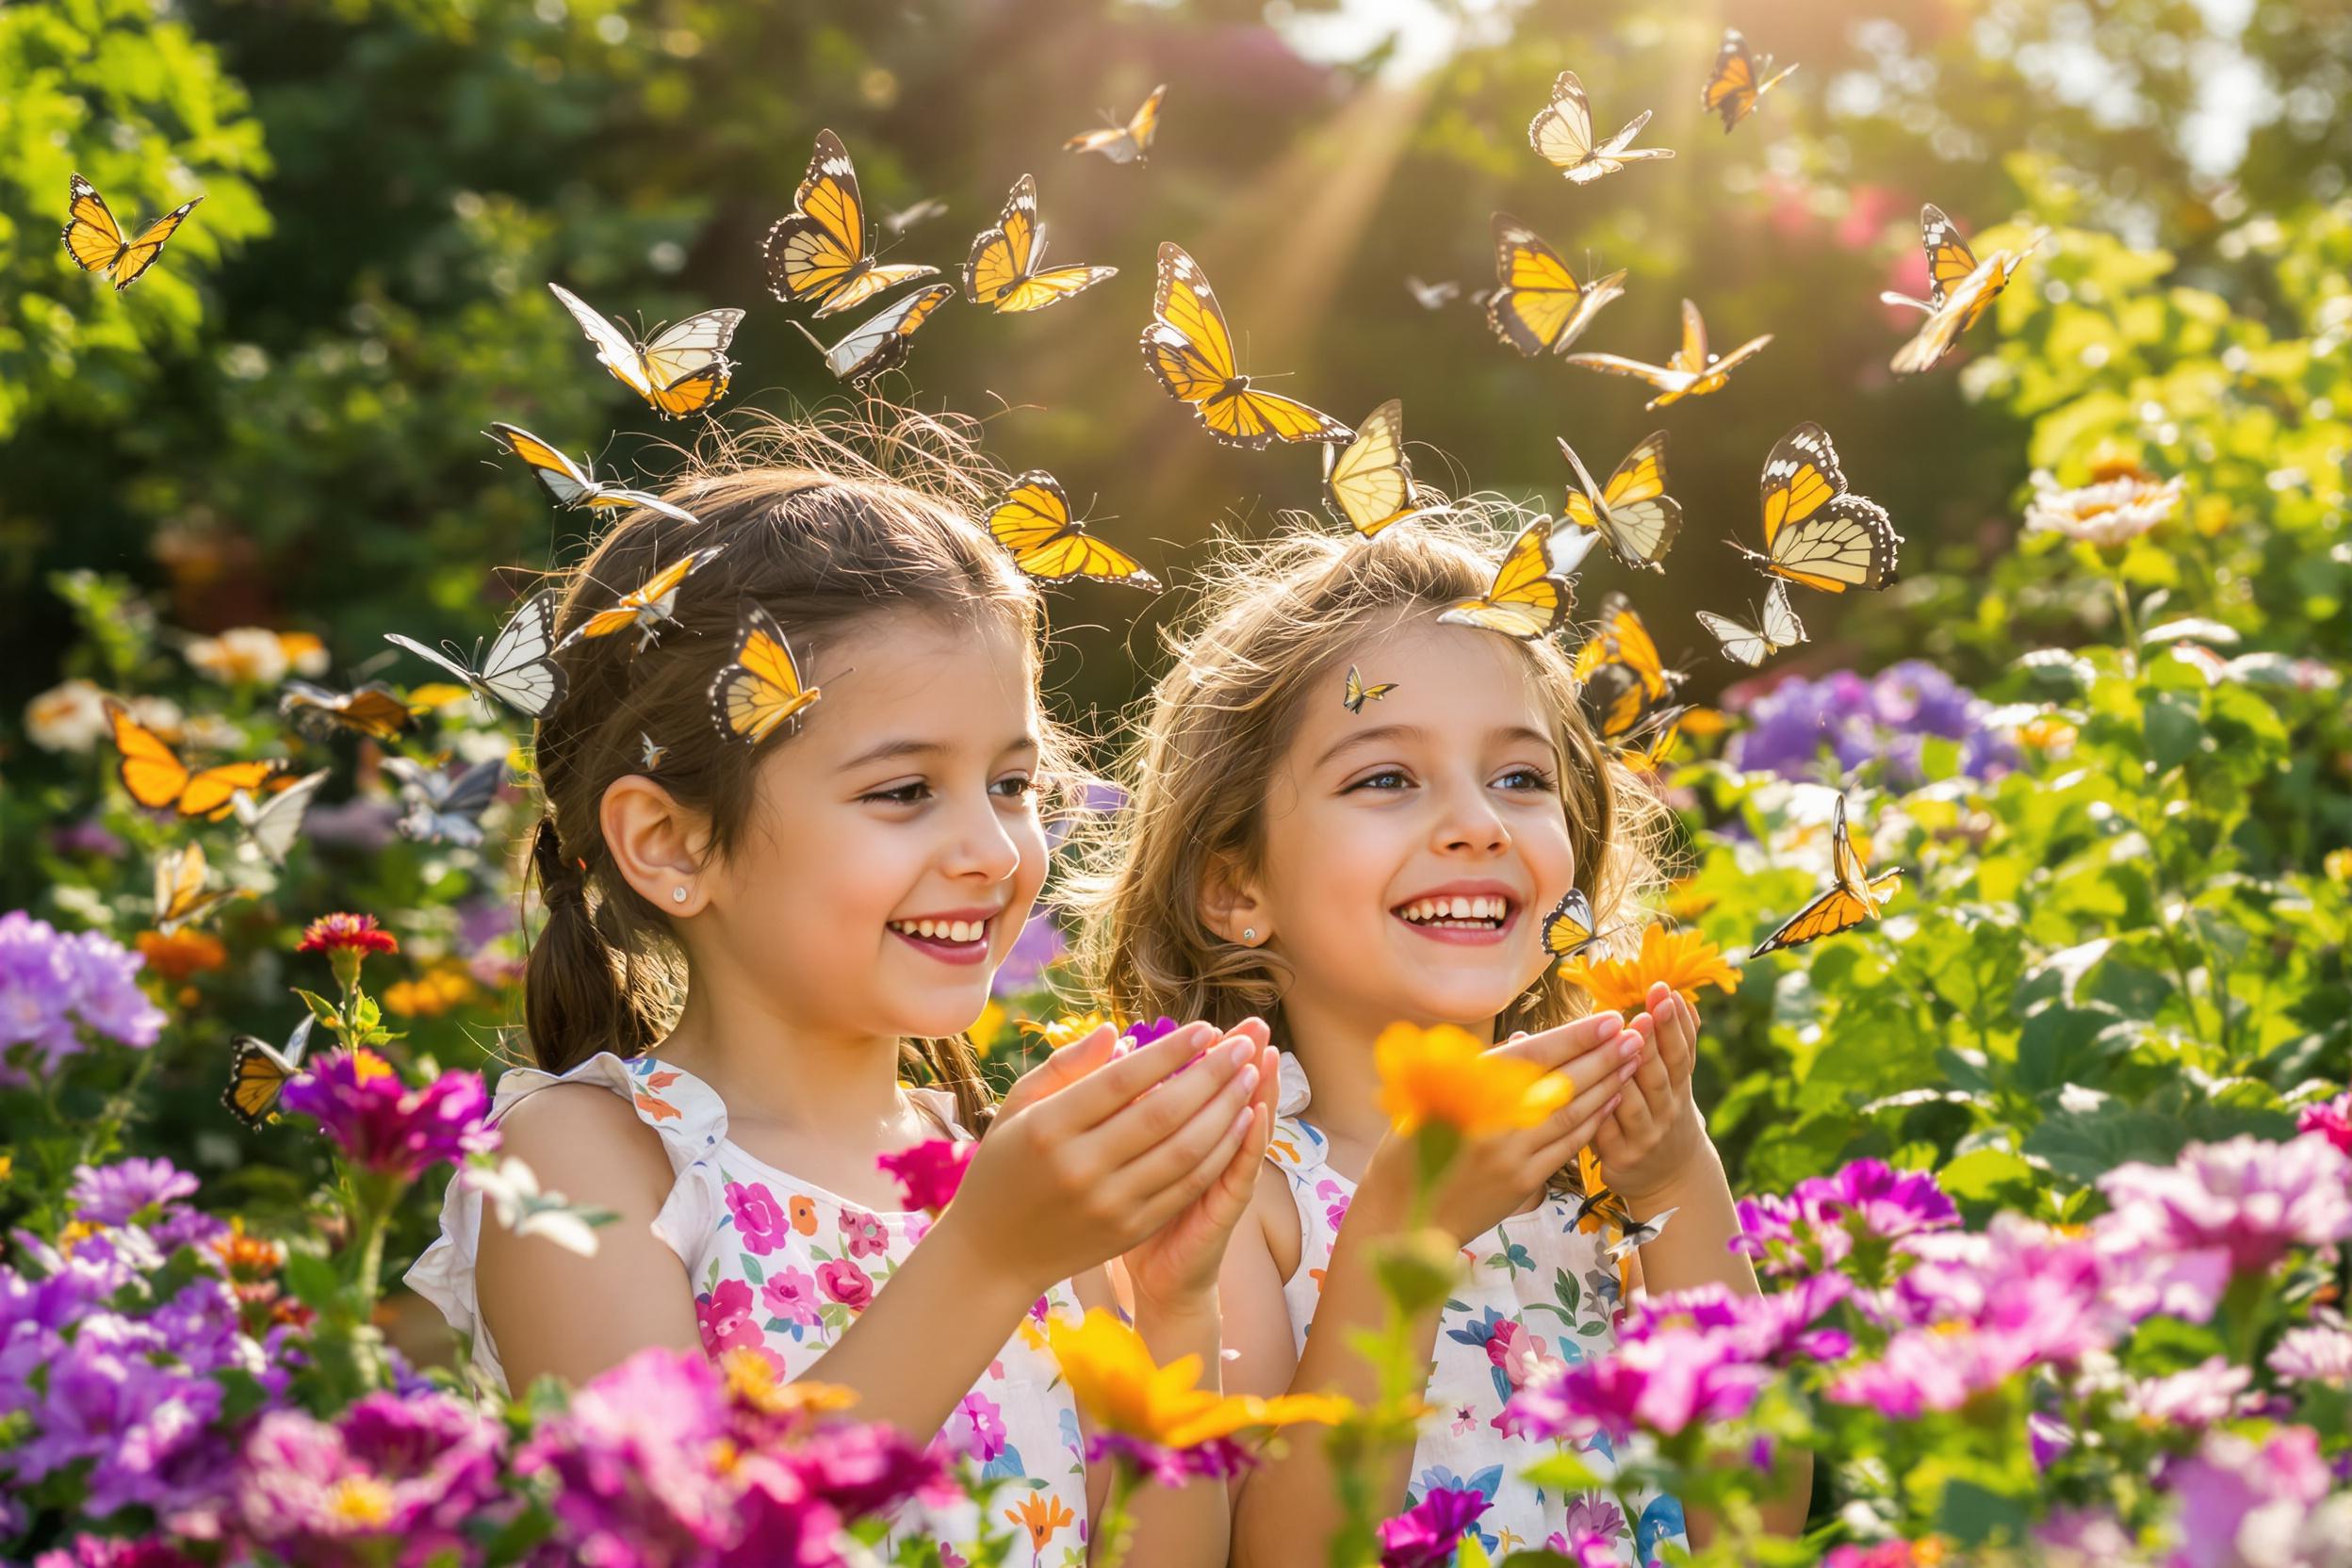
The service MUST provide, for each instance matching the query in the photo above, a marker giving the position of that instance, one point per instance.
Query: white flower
(2110, 513)
(241, 654)
(71, 717)
(2321, 1354)
(522, 1208)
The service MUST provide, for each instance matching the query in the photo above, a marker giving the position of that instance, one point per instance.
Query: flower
(2188, 1400)
(71, 717)
(722, 1317)
(631, 1459)
(1661, 1384)
(181, 955)
(1068, 1031)
(2109, 514)
(1776, 1329)
(976, 1428)
(2245, 1504)
(2337, 863)
(758, 1219)
(354, 933)
(441, 988)
(862, 1235)
(408, 1471)
(2320, 1353)
(2248, 1201)
(384, 1126)
(242, 655)
(2330, 1119)
(2048, 734)
(1886, 719)
(1426, 1534)
(1042, 1515)
(928, 1173)
(1683, 960)
(120, 1193)
(1441, 1075)
(847, 1284)
(1823, 1217)
(790, 1294)
(54, 985)
(305, 655)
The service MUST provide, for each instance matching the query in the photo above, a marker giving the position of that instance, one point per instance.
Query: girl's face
(1412, 849)
(894, 847)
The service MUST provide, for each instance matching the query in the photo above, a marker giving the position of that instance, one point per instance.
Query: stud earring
(677, 895)
(1249, 933)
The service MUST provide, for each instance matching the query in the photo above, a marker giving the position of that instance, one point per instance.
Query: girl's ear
(656, 844)
(1232, 905)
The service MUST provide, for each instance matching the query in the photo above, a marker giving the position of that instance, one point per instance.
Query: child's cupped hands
(1656, 1131)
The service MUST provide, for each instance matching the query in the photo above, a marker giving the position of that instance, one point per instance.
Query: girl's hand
(1655, 1133)
(1174, 1270)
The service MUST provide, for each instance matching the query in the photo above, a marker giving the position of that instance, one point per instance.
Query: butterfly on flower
(1128, 143)
(152, 771)
(445, 807)
(1960, 289)
(1561, 131)
(683, 370)
(882, 341)
(1528, 600)
(1632, 512)
(1854, 897)
(270, 825)
(519, 671)
(759, 690)
(1738, 80)
(570, 484)
(1368, 483)
(1358, 694)
(258, 1073)
(822, 250)
(1006, 271)
(1815, 532)
(1032, 520)
(181, 897)
(1690, 372)
(1537, 303)
(1191, 350)
(95, 242)
(1776, 631)
(646, 606)
(373, 710)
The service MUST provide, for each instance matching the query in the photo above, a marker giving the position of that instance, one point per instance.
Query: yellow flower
(438, 693)
(987, 1030)
(1068, 1031)
(2046, 733)
(444, 986)
(304, 653)
(2337, 864)
(1444, 1076)
(1684, 959)
(754, 1379)
(1115, 1381)
(361, 1500)
(1702, 722)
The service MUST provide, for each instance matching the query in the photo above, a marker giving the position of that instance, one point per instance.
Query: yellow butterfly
(1690, 372)
(1191, 350)
(1738, 81)
(1527, 600)
(1568, 929)
(1960, 289)
(1004, 271)
(1359, 694)
(820, 250)
(1562, 132)
(1128, 143)
(683, 370)
(258, 1073)
(1632, 514)
(157, 780)
(1368, 483)
(1854, 897)
(882, 341)
(1653, 740)
(761, 690)
(181, 898)
(95, 242)
(1814, 532)
(1540, 304)
(574, 483)
(1619, 666)
(373, 710)
(646, 606)
(1033, 521)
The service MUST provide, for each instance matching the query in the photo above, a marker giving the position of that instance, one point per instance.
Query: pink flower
(2249, 1505)
(929, 1173)
(384, 1126)
(2188, 1401)
(863, 1235)
(759, 1216)
(1425, 1534)
(358, 933)
(2321, 1354)
(790, 1294)
(2248, 1201)
(976, 1427)
(845, 1282)
(427, 1462)
(1660, 1384)
(2331, 1119)
(722, 1315)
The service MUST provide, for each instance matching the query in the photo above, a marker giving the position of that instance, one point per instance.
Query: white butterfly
(1562, 132)
(518, 671)
(445, 807)
(271, 823)
(683, 370)
(880, 342)
(1751, 645)
(1432, 296)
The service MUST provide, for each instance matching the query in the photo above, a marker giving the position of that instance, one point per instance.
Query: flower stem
(2130, 622)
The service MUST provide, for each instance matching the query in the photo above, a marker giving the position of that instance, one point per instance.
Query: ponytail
(579, 991)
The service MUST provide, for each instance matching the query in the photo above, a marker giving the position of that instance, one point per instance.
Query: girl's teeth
(943, 930)
(1429, 911)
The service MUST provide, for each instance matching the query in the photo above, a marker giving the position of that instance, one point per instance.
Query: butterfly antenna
(814, 340)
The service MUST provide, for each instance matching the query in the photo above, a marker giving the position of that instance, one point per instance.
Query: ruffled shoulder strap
(686, 1111)
(1297, 1146)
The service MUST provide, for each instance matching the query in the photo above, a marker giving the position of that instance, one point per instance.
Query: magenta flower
(1426, 1534)
(928, 1173)
(845, 1282)
(633, 1461)
(723, 1315)
(759, 1217)
(1659, 1385)
(2254, 1505)
(97, 1551)
(1824, 1218)
(385, 1127)
(2247, 1201)
(863, 1469)
(2331, 1119)
(390, 1472)
(1777, 1330)
(790, 1294)
(975, 1430)
(863, 1235)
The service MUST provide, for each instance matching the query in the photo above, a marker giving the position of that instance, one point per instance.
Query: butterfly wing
(1368, 485)
(817, 248)
(1078, 553)
(761, 690)
(1835, 910)
(1641, 519)
(1527, 601)
(1539, 296)
(1949, 259)
(1780, 625)
(564, 480)
(881, 342)
(92, 236)
(1561, 130)
(259, 1072)
(520, 669)
(1953, 316)
(272, 826)
(1730, 91)
(614, 350)
(150, 769)
(1742, 645)
(1815, 532)
(1002, 273)
(1598, 292)
(142, 252)
(1145, 126)
(1800, 475)
(696, 347)
(1190, 349)
(1183, 301)
(1568, 929)
(1664, 377)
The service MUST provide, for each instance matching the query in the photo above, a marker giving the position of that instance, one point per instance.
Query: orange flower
(803, 1212)
(1115, 1380)
(183, 953)
(444, 986)
(1683, 960)
(1443, 1075)
(1042, 1514)
(2047, 732)
(1068, 1031)
(1702, 722)
(248, 1258)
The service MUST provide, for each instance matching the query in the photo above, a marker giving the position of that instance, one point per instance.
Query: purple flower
(1824, 1218)
(1594, 1528)
(1885, 719)
(928, 1173)
(2247, 1201)
(384, 1126)
(976, 1427)
(115, 1194)
(2331, 1119)
(1040, 946)
(97, 1551)
(631, 1460)
(1426, 1534)
(2254, 1505)
(1776, 1329)
(53, 987)
(409, 1472)
(1661, 1384)
(759, 1219)
(87, 836)
(2321, 1354)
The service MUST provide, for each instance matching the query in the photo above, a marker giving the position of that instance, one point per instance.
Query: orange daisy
(1683, 960)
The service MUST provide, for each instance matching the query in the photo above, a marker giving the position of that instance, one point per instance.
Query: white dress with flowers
(783, 1266)
(1536, 1292)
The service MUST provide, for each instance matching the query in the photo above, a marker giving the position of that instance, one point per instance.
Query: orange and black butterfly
(157, 780)
(822, 250)
(1529, 599)
(646, 606)
(1191, 350)
(1960, 289)
(1815, 531)
(1854, 897)
(1689, 371)
(95, 242)
(1032, 520)
(258, 1073)
(1738, 80)
(1624, 678)
(181, 897)
(683, 370)
(1006, 271)
(1128, 143)
(373, 710)
(761, 690)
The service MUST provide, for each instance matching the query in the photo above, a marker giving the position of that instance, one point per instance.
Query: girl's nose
(1468, 824)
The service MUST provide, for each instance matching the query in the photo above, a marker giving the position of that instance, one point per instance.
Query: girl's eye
(1526, 779)
(1387, 779)
(1016, 787)
(899, 794)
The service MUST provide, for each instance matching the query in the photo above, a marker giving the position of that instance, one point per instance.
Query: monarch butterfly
(1562, 132)
(181, 897)
(1960, 289)
(1854, 897)
(1005, 271)
(1568, 929)
(258, 1073)
(1538, 304)
(1738, 81)
(762, 689)
(1033, 521)
(1690, 372)
(646, 606)
(1368, 483)
(1814, 532)
(270, 826)
(445, 807)
(1190, 349)
(373, 709)
(95, 242)
(1128, 143)
(820, 250)
(882, 341)
(520, 670)
(1652, 740)
(1622, 673)
(157, 780)
(1632, 512)
(1358, 694)
(683, 370)
(1778, 628)
(570, 484)
(1527, 601)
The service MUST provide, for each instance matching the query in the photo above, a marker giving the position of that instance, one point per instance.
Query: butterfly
(1814, 532)
(1191, 350)
(1006, 269)
(1738, 81)
(651, 756)
(881, 342)
(1690, 372)
(1128, 143)
(1359, 694)
(1854, 897)
(570, 484)
(1033, 521)
(1432, 296)
(1562, 132)
(1368, 483)
(1651, 739)
(270, 826)
(1632, 512)
(1538, 304)
(95, 242)
(443, 807)
(1776, 631)
(683, 370)
(920, 212)
(373, 709)
(1960, 289)
(1622, 673)
(1568, 929)
(156, 778)
(181, 898)
(646, 606)
(259, 1072)
(1527, 601)
(520, 670)
(821, 250)
(762, 689)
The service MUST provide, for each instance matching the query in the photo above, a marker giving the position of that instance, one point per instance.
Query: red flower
(359, 933)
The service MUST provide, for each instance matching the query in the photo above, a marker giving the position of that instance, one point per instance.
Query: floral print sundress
(1534, 1292)
(782, 1266)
